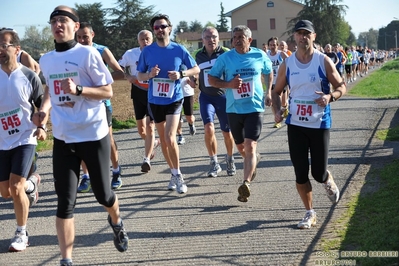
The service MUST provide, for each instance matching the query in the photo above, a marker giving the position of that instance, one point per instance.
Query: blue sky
(361, 15)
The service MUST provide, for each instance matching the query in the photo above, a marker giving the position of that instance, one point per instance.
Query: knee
(107, 201)
(65, 208)
(209, 129)
(17, 189)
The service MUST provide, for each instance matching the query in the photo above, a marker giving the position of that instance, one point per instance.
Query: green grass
(119, 125)
(371, 220)
(44, 145)
(382, 83)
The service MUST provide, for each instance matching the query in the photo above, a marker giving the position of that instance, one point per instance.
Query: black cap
(304, 25)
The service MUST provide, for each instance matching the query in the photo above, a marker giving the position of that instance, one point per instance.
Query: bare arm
(281, 82)
(335, 79)
(234, 83)
(96, 93)
(268, 81)
(109, 58)
(29, 62)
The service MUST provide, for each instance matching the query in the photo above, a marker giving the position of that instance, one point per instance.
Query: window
(200, 44)
(254, 43)
(252, 24)
(270, 4)
(272, 23)
(227, 43)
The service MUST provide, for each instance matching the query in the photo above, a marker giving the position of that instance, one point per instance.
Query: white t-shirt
(76, 118)
(187, 89)
(130, 60)
(17, 93)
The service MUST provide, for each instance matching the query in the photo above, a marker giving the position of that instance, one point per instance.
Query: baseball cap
(304, 25)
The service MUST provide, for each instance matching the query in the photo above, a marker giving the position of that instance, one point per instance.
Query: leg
(66, 166)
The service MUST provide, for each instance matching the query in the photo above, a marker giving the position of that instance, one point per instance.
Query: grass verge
(371, 221)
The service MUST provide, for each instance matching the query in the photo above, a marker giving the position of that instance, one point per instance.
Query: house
(193, 40)
(265, 18)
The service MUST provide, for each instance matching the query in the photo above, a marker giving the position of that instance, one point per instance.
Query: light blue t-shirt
(161, 90)
(249, 66)
(100, 48)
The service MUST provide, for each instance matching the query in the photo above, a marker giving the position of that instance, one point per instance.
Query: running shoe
(181, 140)
(308, 221)
(215, 169)
(116, 182)
(192, 129)
(121, 239)
(231, 167)
(172, 183)
(66, 264)
(331, 188)
(85, 184)
(285, 113)
(34, 195)
(244, 192)
(181, 187)
(19, 242)
(146, 166)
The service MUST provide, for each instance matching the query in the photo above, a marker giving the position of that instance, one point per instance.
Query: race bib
(246, 90)
(11, 122)
(305, 111)
(58, 95)
(163, 88)
(206, 74)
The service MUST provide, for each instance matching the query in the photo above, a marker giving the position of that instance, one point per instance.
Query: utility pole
(396, 43)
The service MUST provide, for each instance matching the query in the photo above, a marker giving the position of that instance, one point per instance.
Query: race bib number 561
(246, 90)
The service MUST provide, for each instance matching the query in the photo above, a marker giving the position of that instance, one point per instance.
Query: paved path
(208, 226)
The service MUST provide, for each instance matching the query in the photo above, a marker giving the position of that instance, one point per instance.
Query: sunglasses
(163, 26)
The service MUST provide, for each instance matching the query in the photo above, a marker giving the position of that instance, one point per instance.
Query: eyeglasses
(61, 20)
(214, 37)
(163, 26)
(5, 46)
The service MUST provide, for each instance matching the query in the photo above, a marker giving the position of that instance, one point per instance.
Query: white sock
(214, 158)
(21, 229)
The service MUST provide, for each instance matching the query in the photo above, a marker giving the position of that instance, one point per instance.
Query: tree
(35, 42)
(387, 36)
(182, 26)
(325, 16)
(222, 26)
(127, 19)
(96, 16)
(195, 26)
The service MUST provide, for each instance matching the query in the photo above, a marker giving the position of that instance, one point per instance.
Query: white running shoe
(19, 242)
(34, 195)
(332, 189)
(308, 221)
(215, 169)
(172, 183)
(181, 187)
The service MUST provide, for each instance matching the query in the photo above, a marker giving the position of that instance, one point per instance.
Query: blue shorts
(17, 161)
(211, 105)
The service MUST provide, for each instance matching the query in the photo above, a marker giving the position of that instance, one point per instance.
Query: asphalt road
(208, 226)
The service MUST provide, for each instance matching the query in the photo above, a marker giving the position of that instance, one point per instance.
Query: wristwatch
(332, 99)
(182, 74)
(43, 126)
(79, 90)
